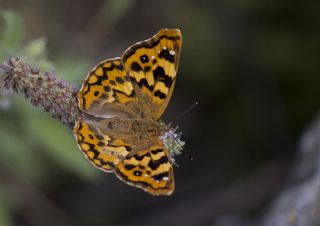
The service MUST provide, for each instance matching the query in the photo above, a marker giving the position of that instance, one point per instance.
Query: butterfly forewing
(152, 66)
(107, 90)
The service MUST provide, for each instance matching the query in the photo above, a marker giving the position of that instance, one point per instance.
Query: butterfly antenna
(174, 162)
(175, 139)
(184, 112)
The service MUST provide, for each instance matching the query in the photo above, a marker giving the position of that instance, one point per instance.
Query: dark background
(253, 66)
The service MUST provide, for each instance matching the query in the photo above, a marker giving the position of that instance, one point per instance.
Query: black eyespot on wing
(144, 59)
(137, 173)
(136, 67)
(119, 80)
(107, 88)
(129, 166)
(147, 69)
(159, 72)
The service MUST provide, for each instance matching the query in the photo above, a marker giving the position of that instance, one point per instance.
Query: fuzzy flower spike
(44, 90)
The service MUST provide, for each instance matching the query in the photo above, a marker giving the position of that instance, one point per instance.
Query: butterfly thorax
(138, 127)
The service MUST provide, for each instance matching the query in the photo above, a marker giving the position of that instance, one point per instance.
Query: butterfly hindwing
(150, 170)
(102, 150)
(152, 66)
(106, 90)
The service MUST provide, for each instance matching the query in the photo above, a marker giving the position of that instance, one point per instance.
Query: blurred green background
(253, 66)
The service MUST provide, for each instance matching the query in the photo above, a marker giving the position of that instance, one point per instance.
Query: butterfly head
(165, 127)
(172, 139)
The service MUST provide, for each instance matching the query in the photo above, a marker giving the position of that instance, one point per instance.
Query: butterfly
(125, 98)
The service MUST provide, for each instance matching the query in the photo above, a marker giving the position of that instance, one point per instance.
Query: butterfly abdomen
(117, 125)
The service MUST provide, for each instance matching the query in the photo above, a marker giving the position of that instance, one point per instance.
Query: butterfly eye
(96, 93)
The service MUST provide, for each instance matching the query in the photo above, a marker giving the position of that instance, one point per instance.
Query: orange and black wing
(150, 170)
(152, 66)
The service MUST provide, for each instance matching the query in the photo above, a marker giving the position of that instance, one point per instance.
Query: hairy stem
(43, 89)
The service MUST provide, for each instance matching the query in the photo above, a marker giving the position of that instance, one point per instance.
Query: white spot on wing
(136, 173)
(172, 52)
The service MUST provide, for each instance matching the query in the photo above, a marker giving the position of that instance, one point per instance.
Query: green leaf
(5, 214)
(36, 48)
(113, 10)
(59, 144)
(15, 155)
(13, 32)
(65, 67)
